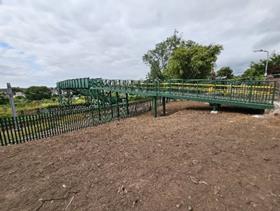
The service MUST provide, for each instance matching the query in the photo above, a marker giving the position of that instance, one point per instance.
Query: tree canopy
(180, 59)
(226, 72)
(37, 93)
(192, 61)
(274, 64)
(256, 69)
(17, 89)
(157, 58)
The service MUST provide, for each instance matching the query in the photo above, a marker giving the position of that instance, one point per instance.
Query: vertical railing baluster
(40, 122)
(44, 125)
(4, 135)
(27, 122)
(118, 108)
(7, 130)
(35, 127)
(24, 128)
(16, 130)
(12, 130)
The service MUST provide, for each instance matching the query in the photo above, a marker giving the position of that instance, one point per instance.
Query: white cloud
(55, 40)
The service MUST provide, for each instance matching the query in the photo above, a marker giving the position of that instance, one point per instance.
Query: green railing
(251, 94)
(80, 83)
(254, 94)
(31, 127)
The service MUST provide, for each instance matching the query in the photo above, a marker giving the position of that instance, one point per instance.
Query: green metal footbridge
(249, 94)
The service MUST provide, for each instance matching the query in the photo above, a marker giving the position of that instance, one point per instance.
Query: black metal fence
(31, 127)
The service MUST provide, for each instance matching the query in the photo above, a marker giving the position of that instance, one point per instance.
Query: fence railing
(31, 127)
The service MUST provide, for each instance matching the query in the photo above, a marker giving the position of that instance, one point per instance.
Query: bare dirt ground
(187, 160)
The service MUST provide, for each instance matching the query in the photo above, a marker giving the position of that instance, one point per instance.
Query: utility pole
(267, 58)
(12, 102)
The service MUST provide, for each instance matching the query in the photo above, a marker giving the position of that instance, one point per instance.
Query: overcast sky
(44, 41)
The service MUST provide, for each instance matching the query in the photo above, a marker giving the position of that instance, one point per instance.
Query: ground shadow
(229, 109)
(205, 107)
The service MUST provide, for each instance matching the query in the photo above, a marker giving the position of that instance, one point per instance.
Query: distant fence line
(31, 127)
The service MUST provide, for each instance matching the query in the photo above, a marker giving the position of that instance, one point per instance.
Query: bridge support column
(215, 107)
(164, 106)
(154, 106)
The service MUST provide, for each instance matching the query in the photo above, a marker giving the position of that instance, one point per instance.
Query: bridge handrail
(243, 91)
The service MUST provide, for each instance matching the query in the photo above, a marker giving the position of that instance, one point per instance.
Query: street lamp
(267, 57)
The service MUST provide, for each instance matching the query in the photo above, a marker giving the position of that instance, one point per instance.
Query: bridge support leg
(164, 106)
(118, 108)
(215, 107)
(154, 106)
(127, 104)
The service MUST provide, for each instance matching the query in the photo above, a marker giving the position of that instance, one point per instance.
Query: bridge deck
(251, 94)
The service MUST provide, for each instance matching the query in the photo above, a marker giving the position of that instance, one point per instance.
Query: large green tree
(255, 71)
(225, 72)
(192, 61)
(37, 93)
(158, 57)
(177, 58)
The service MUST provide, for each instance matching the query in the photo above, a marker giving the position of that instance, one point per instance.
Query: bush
(19, 97)
(3, 99)
(225, 72)
(38, 93)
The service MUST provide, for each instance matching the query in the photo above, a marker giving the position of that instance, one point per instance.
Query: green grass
(25, 106)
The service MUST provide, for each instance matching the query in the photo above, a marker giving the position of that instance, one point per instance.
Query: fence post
(1, 138)
(24, 128)
(118, 108)
(4, 142)
(127, 105)
(16, 131)
(164, 106)
(34, 127)
(12, 130)
(30, 133)
(7, 131)
(12, 103)
(111, 105)
(154, 106)
(98, 106)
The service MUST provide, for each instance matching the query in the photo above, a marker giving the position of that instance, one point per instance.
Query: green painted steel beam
(249, 94)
